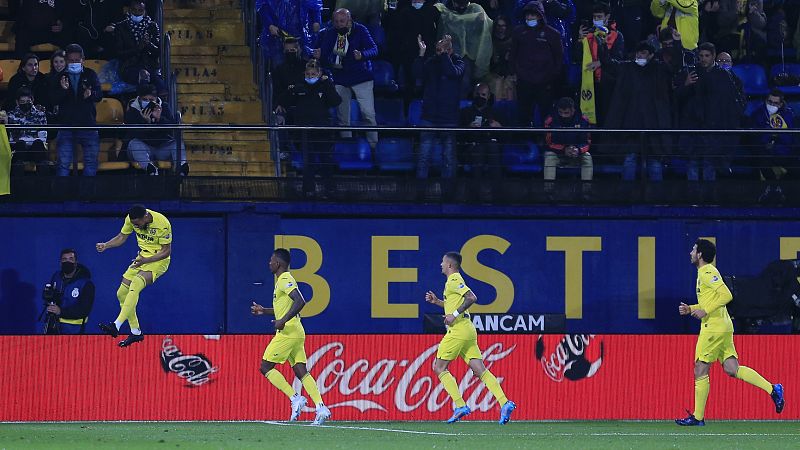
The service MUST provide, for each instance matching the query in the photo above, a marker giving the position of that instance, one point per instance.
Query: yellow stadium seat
(9, 68)
(44, 66)
(110, 112)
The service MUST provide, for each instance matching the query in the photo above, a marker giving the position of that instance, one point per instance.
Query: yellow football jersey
(150, 239)
(282, 303)
(712, 296)
(454, 290)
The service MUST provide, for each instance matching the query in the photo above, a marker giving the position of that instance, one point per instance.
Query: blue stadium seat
(795, 107)
(506, 112)
(752, 105)
(384, 76)
(522, 158)
(414, 113)
(355, 113)
(395, 154)
(791, 69)
(353, 155)
(753, 77)
(390, 112)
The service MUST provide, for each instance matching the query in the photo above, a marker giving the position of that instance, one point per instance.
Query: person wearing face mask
(74, 97)
(289, 72)
(775, 156)
(28, 76)
(470, 29)
(561, 14)
(683, 15)
(642, 99)
(138, 46)
(160, 144)
(75, 289)
(284, 18)
(537, 54)
(28, 145)
(481, 150)
(567, 149)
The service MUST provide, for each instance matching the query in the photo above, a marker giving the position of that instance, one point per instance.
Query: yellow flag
(587, 85)
(5, 162)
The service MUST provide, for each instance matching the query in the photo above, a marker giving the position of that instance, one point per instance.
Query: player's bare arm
(699, 313)
(684, 309)
(430, 297)
(258, 310)
(298, 302)
(469, 300)
(116, 241)
(163, 253)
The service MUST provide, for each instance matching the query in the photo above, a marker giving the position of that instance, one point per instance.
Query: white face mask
(417, 5)
(137, 19)
(772, 109)
(641, 61)
(75, 67)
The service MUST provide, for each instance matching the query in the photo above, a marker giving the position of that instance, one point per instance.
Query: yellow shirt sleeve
(287, 284)
(722, 295)
(127, 227)
(457, 285)
(166, 236)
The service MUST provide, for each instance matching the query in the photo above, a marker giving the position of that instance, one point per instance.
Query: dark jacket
(156, 137)
(290, 72)
(77, 293)
(312, 102)
(441, 76)
(73, 109)
(537, 52)
(38, 87)
(469, 114)
(352, 71)
(557, 142)
(775, 144)
(141, 55)
(405, 23)
(714, 102)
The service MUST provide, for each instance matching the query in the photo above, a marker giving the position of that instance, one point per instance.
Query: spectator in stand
(282, 19)
(630, 16)
(567, 149)
(710, 99)
(482, 150)
(289, 72)
(670, 39)
(39, 22)
(28, 145)
(441, 75)
(403, 25)
(366, 11)
(642, 100)
(95, 23)
(347, 48)
(741, 29)
(471, 31)
(74, 97)
(27, 76)
(139, 47)
(596, 89)
(144, 147)
(682, 15)
(312, 99)
(775, 151)
(537, 55)
(501, 77)
(560, 15)
(58, 67)
(493, 8)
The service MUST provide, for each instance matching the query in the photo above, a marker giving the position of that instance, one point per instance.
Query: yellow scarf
(587, 85)
(5, 162)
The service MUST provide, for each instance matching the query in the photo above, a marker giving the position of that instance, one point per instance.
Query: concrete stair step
(172, 15)
(210, 73)
(256, 137)
(211, 169)
(220, 112)
(218, 32)
(208, 50)
(228, 152)
(201, 4)
(201, 88)
(208, 60)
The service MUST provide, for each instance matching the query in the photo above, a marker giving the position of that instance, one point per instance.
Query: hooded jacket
(77, 295)
(537, 52)
(157, 137)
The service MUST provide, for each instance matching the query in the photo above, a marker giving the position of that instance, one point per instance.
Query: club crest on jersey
(290, 284)
(151, 231)
(461, 286)
(714, 279)
(75, 293)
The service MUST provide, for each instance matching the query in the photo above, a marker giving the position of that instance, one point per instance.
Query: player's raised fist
(100, 246)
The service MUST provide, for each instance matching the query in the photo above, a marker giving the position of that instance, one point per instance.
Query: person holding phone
(144, 147)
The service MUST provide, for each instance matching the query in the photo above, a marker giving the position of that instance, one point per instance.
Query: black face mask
(480, 102)
(67, 267)
(291, 56)
(342, 31)
(564, 120)
(26, 107)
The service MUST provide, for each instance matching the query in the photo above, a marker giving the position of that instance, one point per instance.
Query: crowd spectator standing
(38, 22)
(501, 77)
(682, 15)
(471, 32)
(95, 22)
(561, 15)
(75, 96)
(27, 76)
(58, 69)
(144, 147)
(283, 19)
(741, 28)
(346, 49)
(28, 145)
(139, 47)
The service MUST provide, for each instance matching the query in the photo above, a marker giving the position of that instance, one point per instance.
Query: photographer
(68, 296)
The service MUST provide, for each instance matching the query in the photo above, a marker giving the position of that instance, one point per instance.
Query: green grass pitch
(398, 435)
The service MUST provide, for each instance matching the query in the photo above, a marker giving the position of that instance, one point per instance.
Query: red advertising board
(380, 377)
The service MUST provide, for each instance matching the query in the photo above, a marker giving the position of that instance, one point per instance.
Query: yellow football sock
(701, 386)
(122, 292)
(310, 385)
(277, 379)
(450, 385)
(751, 376)
(494, 386)
(128, 310)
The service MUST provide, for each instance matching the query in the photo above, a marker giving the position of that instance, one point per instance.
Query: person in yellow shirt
(462, 340)
(289, 341)
(154, 237)
(715, 342)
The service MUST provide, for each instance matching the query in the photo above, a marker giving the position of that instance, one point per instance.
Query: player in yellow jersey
(290, 337)
(462, 340)
(154, 236)
(715, 342)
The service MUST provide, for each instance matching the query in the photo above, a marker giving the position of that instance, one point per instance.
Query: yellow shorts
(714, 347)
(450, 348)
(157, 268)
(280, 349)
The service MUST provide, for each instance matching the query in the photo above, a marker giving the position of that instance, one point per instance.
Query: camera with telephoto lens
(51, 295)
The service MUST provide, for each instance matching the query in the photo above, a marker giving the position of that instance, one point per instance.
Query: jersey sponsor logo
(569, 358)
(195, 369)
(461, 286)
(145, 237)
(289, 284)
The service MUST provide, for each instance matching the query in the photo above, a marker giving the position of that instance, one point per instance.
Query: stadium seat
(390, 112)
(353, 155)
(414, 113)
(9, 68)
(384, 76)
(395, 154)
(44, 66)
(110, 112)
(791, 69)
(506, 111)
(752, 105)
(753, 77)
(522, 158)
(795, 107)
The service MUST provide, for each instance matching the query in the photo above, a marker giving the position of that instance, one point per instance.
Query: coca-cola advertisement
(380, 377)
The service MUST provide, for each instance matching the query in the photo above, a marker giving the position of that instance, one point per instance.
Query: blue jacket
(352, 71)
(73, 109)
(441, 76)
(781, 143)
(77, 294)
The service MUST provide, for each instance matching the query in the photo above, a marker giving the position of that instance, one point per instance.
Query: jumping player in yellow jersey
(462, 340)
(289, 341)
(715, 342)
(154, 236)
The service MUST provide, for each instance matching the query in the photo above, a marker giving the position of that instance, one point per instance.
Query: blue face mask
(532, 23)
(312, 80)
(144, 103)
(137, 19)
(417, 5)
(726, 66)
(75, 67)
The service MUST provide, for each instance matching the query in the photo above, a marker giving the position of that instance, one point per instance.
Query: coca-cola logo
(363, 382)
(195, 369)
(569, 358)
